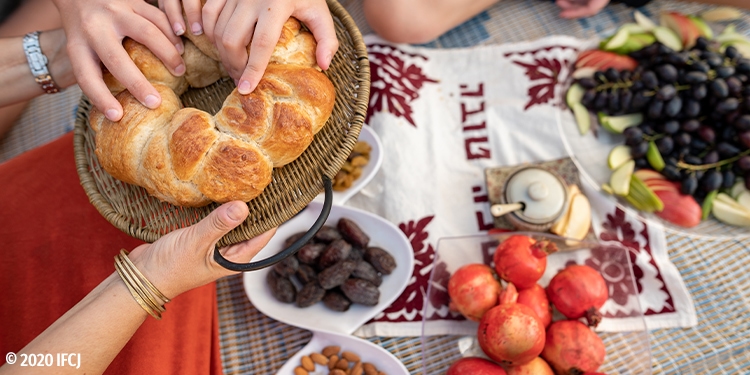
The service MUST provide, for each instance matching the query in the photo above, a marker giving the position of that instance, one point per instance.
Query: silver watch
(38, 63)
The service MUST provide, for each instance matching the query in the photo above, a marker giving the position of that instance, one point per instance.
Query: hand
(95, 30)
(232, 24)
(580, 8)
(173, 10)
(183, 259)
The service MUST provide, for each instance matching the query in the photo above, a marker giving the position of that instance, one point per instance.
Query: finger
(210, 15)
(235, 38)
(89, 77)
(124, 70)
(247, 250)
(173, 10)
(150, 36)
(580, 12)
(321, 25)
(193, 13)
(265, 37)
(218, 223)
(564, 4)
(158, 19)
(221, 27)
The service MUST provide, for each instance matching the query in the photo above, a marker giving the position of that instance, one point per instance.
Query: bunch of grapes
(696, 109)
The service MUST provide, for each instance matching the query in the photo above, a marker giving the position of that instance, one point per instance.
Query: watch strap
(38, 63)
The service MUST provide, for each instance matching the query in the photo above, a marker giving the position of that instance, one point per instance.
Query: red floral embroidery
(395, 81)
(545, 70)
(612, 265)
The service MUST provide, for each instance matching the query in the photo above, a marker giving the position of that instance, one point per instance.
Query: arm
(419, 21)
(742, 4)
(15, 77)
(102, 323)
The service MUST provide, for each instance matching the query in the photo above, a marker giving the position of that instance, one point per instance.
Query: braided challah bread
(189, 157)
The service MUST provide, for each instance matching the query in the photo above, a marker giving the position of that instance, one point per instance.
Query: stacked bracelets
(142, 290)
(38, 63)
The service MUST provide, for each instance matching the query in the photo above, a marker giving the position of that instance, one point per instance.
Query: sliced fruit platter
(673, 98)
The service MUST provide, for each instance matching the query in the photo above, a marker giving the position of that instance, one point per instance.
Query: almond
(351, 357)
(300, 371)
(337, 372)
(332, 361)
(308, 364)
(370, 369)
(319, 358)
(328, 351)
(342, 364)
(357, 369)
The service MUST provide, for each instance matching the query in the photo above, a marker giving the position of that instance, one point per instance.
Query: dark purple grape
(665, 145)
(612, 74)
(707, 134)
(680, 151)
(670, 127)
(718, 88)
(587, 83)
(698, 144)
(692, 108)
(673, 107)
(640, 101)
(655, 109)
(734, 85)
(713, 60)
(642, 163)
(724, 71)
(698, 91)
(743, 67)
(689, 184)
(731, 52)
(682, 139)
(690, 125)
(711, 157)
(728, 179)
(633, 135)
(700, 66)
(679, 59)
(639, 150)
(671, 173)
(646, 128)
(649, 79)
(588, 98)
(744, 138)
(727, 105)
(666, 92)
(602, 97)
(626, 75)
(664, 50)
(727, 150)
(727, 134)
(744, 163)
(613, 104)
(667, 72)
(711, 181)
(600, 77)
(729, 118)
(742, 77)
(746, 101)
(696, 77)
(626, 99)
(693, 160)
(701, 43)
(671, 161)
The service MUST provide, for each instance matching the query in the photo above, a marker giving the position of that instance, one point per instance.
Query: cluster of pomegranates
(516, 330)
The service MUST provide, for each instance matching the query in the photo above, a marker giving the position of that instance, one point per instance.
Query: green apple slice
(737, 189)
(744, 199)
(616, 124)
(730, 214)
(654, 157)
(726, 199)
(618, 40)
(642, 20)
(584, 72)
(708, 204)
(667, 37)
(645, 195)
(583, 118)
(607, 189)
(702, 26)
(618, 156)
(574, 94)
(620, 179)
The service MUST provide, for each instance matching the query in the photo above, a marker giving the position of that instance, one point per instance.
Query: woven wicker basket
(293, 186)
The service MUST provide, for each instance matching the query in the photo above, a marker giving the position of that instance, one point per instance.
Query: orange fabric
(55, 248)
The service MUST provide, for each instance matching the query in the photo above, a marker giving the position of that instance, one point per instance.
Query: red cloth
(56, 248)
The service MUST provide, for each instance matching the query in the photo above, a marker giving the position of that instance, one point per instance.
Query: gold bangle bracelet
(137, 285)
(142, 290)
(148, 283)
(135, 294)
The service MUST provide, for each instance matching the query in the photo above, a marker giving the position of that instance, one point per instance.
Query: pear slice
(618, 156)
(667, 37)
(583, 118)
(620, 179)
(642, 20)
(558, 227)
(617, 124)
(654, 157)
(737, 188)
(579, 218)
(727, 199)
(744, 199)
(574, 95)
(730, 214)
(617, 40)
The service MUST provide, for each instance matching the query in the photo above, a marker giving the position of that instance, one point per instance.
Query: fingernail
(197, 29)
(329, 58)
(178, 29)
(180, 48)
(234, 212)
(152, 101)
(244, 87)
(112, 114)
(180, 69)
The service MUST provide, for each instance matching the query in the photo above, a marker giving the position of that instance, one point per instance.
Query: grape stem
(718, 164)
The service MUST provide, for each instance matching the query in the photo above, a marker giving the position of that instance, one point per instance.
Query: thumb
(219, 222)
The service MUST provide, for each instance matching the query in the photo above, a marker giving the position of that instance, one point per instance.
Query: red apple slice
(682, 26)
(647, 174)
(601, 60)
(681, 210)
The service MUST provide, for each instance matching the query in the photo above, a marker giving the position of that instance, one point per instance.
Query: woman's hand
(580, 8)
(183, 259)
(174, 8)
(95, 30)
(232, 24)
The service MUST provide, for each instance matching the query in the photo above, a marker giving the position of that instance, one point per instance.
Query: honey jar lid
(543, 194)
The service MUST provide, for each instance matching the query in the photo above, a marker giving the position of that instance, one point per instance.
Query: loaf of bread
(189, 157)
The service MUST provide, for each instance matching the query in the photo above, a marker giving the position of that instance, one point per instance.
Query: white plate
(368, 172)
(367, 351)
(318, 317)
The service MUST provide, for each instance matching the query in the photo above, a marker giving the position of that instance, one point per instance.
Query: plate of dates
(353, 268)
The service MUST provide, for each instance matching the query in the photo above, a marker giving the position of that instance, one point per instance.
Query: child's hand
(232, 24)
(580, 8)
(173, 10)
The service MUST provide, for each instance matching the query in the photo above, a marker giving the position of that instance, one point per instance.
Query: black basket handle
(291, 250)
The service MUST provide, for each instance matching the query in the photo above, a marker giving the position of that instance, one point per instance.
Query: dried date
(287, 267)
(310, 294)
(380, 259)
(353, 233)
(336, 274)
(306, 274)
(356, 253)
(336, 301)
(361, 291)
(281, 288)
(366, 271)
(310, 253)
(335, 252)
(291, 239)
(327, 234)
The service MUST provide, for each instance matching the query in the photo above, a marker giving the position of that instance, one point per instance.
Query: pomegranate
(578, 292)
(473, 290)
(537, 366)
(522, 260)
(572, 348)
(475, 366)
(536, 298)
(511, 333)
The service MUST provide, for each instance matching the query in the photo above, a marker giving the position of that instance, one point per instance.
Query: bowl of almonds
(330, 353)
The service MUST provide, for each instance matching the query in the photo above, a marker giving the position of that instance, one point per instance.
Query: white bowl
(368, 172)
(367, 352)
(319, 317)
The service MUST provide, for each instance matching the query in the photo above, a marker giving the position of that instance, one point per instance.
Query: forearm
(97, 327)
(15, 76)
(745, 4)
